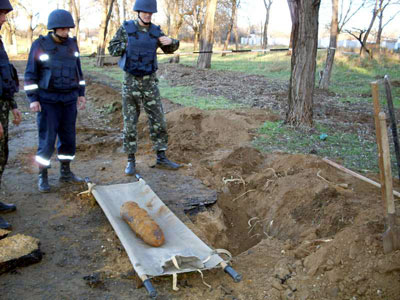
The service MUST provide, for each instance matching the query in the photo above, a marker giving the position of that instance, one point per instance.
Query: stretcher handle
(235, 275)
(150, 289)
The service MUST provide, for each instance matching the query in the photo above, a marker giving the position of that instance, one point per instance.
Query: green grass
(113, 72)
(357, 153)
(351, 78)
(274, 65)
(178, 94)
(185, 96)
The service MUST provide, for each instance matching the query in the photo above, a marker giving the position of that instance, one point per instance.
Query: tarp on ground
(181, 243)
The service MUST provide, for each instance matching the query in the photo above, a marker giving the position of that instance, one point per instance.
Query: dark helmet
(60, 18)
(149, 6)
(5, 5)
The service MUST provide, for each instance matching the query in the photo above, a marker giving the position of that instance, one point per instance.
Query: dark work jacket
(140, 58)
(53, 72)
(9, 77)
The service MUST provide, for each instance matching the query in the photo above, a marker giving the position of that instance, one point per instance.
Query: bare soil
(298, 228)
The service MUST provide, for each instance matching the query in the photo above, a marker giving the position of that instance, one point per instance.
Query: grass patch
(114, 72)
(357, 153)
(185, 96)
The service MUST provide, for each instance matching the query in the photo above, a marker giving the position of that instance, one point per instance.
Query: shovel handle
(387, 170)
(393, 123)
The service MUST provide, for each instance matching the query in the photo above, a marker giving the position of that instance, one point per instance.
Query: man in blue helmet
(55, 88)
(136, 41)
(8, 87)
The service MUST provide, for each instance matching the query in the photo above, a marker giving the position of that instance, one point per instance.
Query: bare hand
(17, 116)
(35, 106)
(165, 41)
(81, 102)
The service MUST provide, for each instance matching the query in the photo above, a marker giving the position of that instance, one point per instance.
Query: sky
(250, 12)
(254, 10)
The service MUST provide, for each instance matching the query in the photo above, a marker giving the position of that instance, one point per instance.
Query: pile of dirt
(316, 230)
(298, 228)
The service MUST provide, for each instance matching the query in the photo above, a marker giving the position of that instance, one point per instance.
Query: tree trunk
(380, 29)
(117, 15)
(176, 20)
(76, 8)
(365, 50)
(330, 57)
(29, 33)
(124, 10)
(267, 4)
(196, 39)
(101, 46)
(293, 9)
(207, 39)
(231, 23)
(302, 77)
(236, 34)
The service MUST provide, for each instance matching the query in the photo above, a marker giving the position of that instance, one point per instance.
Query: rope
(90, 188)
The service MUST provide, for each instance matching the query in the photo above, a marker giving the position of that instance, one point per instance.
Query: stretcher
(182, 251)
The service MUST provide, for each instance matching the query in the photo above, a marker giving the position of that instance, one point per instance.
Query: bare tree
(123, 4)
(359, 35)
(304, 14)
(176, 10)
(75, 6)
(346, 13)
(267, 4)
(106, 15)
(10, 30)
(330, 57)
(207, 37)
(375, 11)
(195, 20)
(337, 22)
(28, 8)
(234, 5)
(383, 4)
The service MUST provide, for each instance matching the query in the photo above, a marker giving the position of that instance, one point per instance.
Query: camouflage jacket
(119, 42)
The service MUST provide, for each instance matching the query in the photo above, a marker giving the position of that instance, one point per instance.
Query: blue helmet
(5, 5)
(149, 6)
(60, 18)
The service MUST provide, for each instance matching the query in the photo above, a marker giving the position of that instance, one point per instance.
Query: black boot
(131, 166)
(7, 207)
(164, 163)
(4, 224)
(43, 183)
(66, 175)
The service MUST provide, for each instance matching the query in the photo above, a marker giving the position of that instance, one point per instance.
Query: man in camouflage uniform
(136, 41)
(8, 87)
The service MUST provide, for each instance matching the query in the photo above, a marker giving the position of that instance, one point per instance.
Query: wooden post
(377, 110)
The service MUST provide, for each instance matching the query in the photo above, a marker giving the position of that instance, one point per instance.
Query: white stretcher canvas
(190, 252)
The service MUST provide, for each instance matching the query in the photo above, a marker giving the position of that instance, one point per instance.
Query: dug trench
(298, 228)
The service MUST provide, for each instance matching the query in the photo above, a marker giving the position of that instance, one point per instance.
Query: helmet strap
(145, 23)
(61, 38)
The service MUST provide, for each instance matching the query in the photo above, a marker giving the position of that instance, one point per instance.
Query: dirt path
(294, 234)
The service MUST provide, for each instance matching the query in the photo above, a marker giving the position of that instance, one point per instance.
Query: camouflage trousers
(137, 92)
(4, 116)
